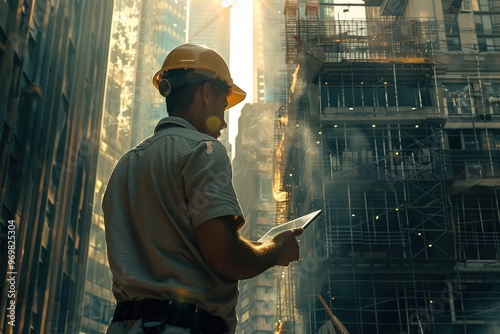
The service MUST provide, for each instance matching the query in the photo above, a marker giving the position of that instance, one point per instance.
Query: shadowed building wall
(98, 299)
(53, 58)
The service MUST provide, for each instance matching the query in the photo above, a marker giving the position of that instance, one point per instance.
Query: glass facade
(162, 28)
(142, 34)
(53, 57)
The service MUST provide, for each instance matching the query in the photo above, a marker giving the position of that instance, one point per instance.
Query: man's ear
(205, 91)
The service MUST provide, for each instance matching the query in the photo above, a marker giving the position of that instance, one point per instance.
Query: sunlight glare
(241, 59)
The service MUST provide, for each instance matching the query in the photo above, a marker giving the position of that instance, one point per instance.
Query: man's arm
(230, 255)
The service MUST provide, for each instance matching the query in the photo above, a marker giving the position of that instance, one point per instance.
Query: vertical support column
(420, 104)
(367, 217)
(395, 86)
(376, 151)
(436, 88)
(497, 199)
(388, 155)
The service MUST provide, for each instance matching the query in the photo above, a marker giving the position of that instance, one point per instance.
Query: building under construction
(391, 126)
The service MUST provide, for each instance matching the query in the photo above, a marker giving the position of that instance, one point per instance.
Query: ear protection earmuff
(164, 86)
(178, 78)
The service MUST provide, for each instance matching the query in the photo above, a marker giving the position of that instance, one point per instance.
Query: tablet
(303, 222)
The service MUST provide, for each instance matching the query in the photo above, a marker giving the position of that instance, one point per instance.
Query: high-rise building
(162, 28)
(392, 128)
(143, 33)
(253, 165)
(53, 58)
(253, 168)
(209, 24)
(115, 141)
(268, 55)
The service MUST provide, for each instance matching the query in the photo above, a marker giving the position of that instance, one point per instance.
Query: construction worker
(171, 212)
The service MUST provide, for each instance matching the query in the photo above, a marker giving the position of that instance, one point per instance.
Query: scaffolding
(405, 163)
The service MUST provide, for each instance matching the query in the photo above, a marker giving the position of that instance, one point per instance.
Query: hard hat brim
(237, 95)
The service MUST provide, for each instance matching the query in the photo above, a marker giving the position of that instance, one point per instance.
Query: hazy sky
(241, 58)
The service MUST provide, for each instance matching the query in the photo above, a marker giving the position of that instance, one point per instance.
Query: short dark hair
(180, 99)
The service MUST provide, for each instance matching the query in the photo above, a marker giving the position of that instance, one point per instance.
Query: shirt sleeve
(208, 184)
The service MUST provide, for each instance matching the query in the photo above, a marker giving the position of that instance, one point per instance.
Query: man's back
(158, 193)
(171, 213)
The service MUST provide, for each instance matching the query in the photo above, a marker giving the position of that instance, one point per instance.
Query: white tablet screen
(303, 222)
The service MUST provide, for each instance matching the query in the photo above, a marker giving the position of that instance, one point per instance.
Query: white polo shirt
(158, 193)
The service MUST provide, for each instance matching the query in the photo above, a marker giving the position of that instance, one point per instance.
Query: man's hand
(288, 247)
(230, 255)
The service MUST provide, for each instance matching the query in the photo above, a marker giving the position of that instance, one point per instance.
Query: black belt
(169, 313)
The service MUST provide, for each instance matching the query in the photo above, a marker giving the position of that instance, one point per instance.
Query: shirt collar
(173, 121)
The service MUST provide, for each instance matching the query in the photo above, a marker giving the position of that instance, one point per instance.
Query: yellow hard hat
(202, 60)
